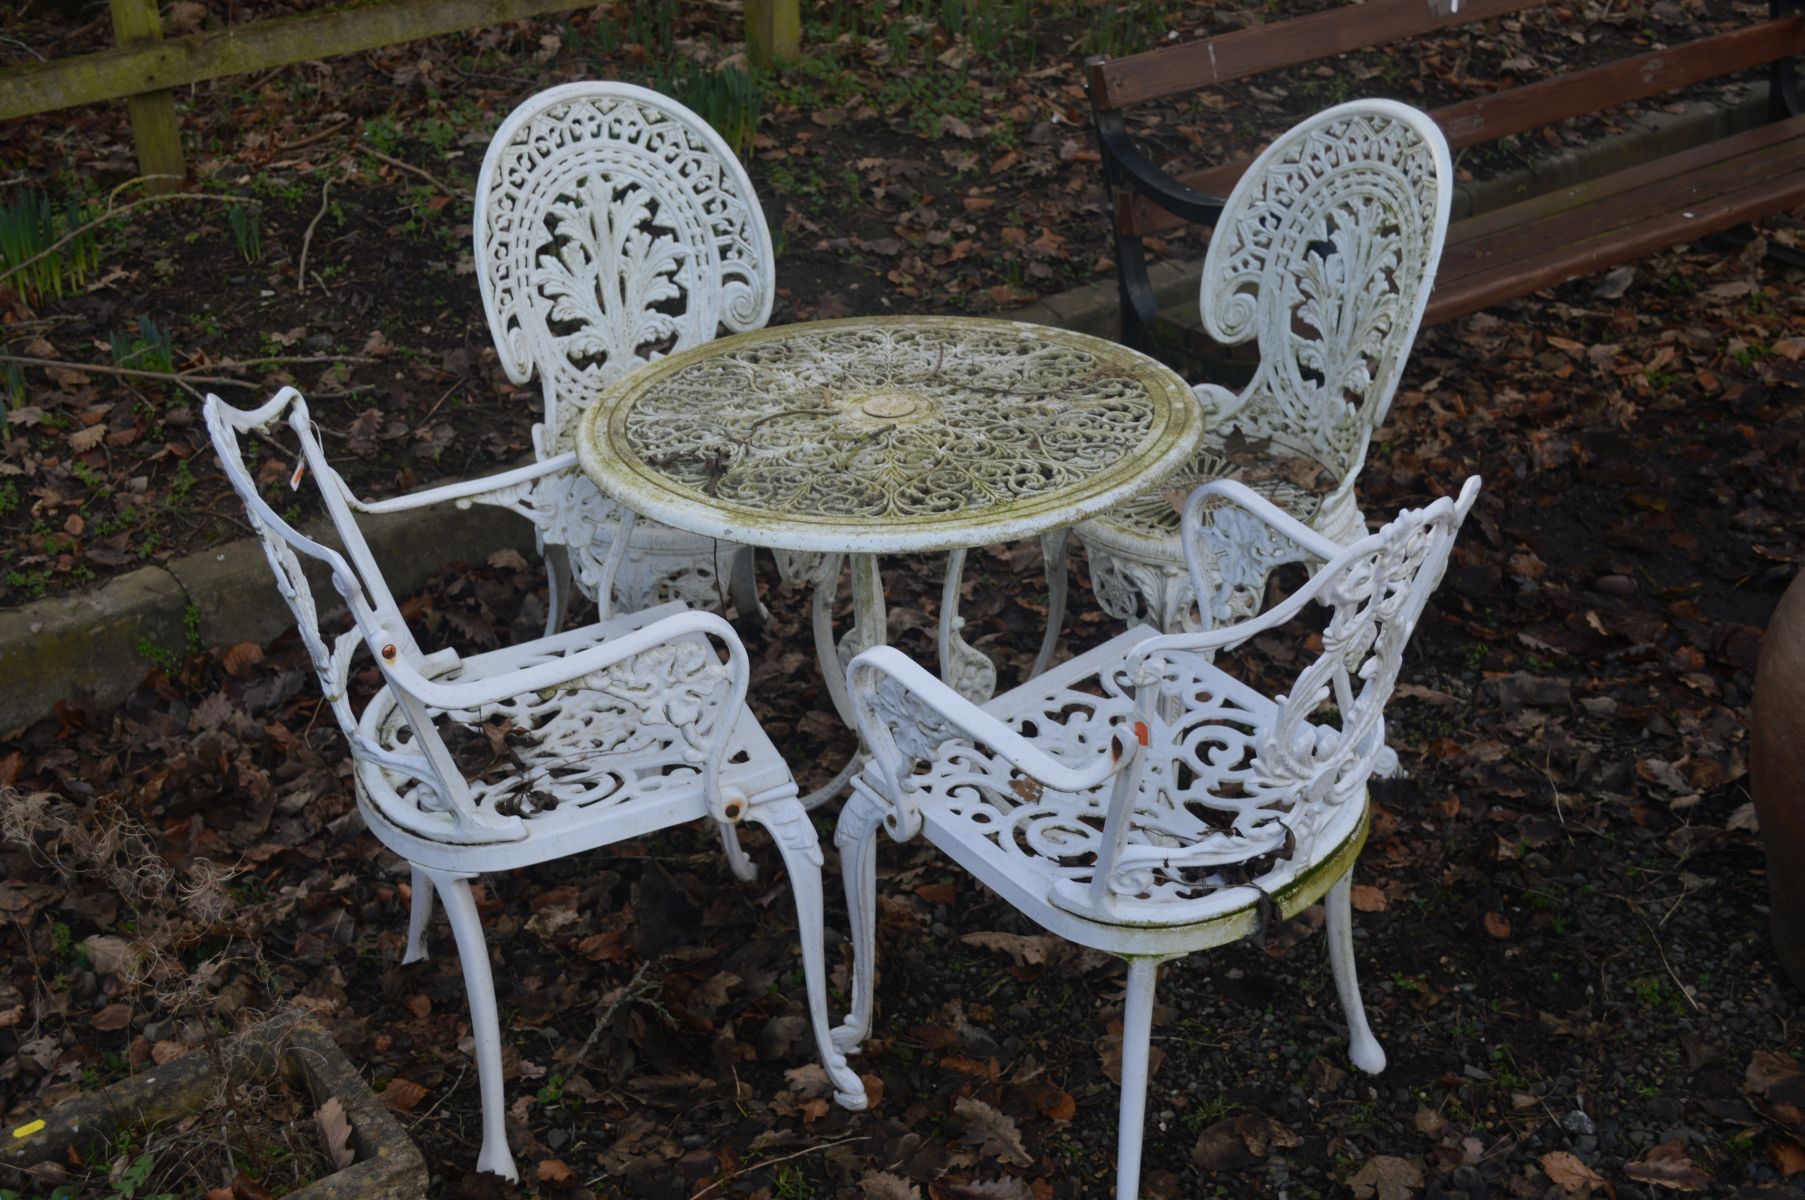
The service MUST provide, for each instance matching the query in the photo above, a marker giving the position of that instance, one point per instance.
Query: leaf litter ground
(1562, 909)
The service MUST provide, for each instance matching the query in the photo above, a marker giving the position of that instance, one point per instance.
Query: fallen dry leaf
(1023, 950)
(994, 1132)
(241, 658)
(553, 1170)
(113, 1017)
(402, 1095)
(1387, 1177)
(335, 1130)
(1569, 1173)
(1006, 1188)
(1667, 1166)
(881, 1185)
(1766, 1070)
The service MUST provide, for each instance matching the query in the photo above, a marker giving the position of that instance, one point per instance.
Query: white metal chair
(1324, 254)
(613, 226)
(614, 730)
(1138, 799)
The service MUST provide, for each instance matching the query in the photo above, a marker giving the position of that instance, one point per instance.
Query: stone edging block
(388, 1165)
(101, 642)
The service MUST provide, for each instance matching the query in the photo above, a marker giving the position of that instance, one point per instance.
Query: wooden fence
(144, 68)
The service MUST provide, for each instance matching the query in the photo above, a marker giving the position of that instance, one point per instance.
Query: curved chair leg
(856, 837)
(1387, 766)
(485, 1024)
(1363, 1048)
(417, 916)
(1137, 1037)
(744, 869)
(1053, 549)
(558, 587)
(795, 837)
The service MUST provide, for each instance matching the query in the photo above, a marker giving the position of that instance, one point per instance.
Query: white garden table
(889, 435)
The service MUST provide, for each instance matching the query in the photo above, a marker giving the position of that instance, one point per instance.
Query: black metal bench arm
(1783, 82)
(1127, 169)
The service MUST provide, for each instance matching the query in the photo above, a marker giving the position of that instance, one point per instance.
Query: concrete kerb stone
(100, 643)
(97, 641)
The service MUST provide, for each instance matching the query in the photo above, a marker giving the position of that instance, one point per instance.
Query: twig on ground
(771, 1162)
(307, 238)
(1655, 937)
(632, 991)
(113, 210)
(25, 46)
(289, 360)
(443, 396)
(408, 167)
(311, 138)
(177, 377)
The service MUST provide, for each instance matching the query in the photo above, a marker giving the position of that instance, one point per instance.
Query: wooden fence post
(773, 30)
(154, 125)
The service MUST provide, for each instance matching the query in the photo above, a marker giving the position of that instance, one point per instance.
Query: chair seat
(580, 767)
(1147, 524)
(1207, 869)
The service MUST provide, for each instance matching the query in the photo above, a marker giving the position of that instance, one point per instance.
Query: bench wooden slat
(1531, 106)
(1637, 185)
(1170, 70)
(1627, 217)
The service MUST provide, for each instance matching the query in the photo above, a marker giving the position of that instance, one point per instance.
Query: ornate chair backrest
(1326, 251)
(613, 226)
(1278, 782)
(377, 622)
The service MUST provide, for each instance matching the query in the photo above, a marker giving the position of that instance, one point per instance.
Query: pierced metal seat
(1141, 800)
(1323, 255)
(585, 738)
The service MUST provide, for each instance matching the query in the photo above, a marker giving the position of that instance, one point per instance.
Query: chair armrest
(467, 491)
(560, 672)
(929, 712)
(1273, 536)
(578, 668)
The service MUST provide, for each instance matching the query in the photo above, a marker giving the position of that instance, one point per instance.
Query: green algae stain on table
(889, 434)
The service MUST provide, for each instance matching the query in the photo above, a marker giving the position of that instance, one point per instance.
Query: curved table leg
(966, 669)
(1053, 549)
(869, 628)
(821, 618)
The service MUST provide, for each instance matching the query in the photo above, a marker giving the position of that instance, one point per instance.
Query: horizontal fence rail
(144, 68)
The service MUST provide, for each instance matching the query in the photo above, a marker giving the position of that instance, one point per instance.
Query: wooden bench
(1509, 251)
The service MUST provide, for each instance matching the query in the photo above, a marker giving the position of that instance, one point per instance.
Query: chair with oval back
(1323, 256)
(613, 227)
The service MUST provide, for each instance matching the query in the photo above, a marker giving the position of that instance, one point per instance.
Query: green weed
(727, 98)
(151, 349)
(247, 231)
(30, 223)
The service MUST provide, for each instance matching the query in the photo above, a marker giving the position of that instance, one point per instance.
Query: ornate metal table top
(888, 434)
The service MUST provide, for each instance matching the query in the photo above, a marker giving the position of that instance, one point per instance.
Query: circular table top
(888, 434)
